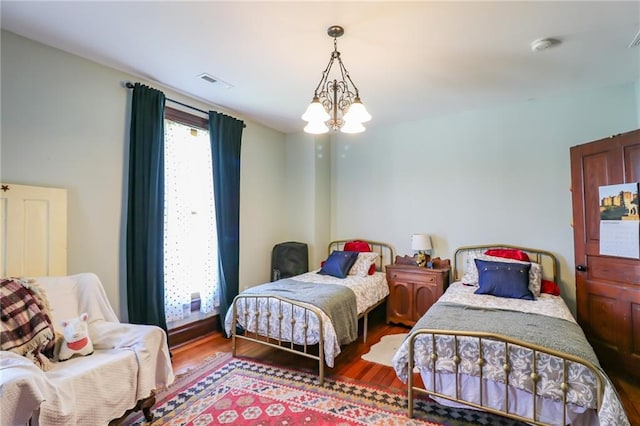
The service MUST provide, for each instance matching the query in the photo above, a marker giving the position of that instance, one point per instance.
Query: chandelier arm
(325, 74)
(334, 123)
(345, 73)
(325, 96)
(343, 100)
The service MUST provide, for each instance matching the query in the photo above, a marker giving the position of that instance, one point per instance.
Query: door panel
(601, 305)
(426, 296)
(634, 314)
(607, 269)
(632, 327)
(402, 297)
(632, 163)
(597, 176)
(33, 231)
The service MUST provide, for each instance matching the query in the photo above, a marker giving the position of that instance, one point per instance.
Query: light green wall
(498, 175)
(308, 193)
(262, 202)
(65, 124)
(322, 225)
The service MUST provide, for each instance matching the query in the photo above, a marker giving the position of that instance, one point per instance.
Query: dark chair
(289, 259)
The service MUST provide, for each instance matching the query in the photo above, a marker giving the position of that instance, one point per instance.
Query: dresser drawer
(421, 277)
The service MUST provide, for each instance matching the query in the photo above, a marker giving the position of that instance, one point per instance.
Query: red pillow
(550, 287)
(359, 246)
(505, 253)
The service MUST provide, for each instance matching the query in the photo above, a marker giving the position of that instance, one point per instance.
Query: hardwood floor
(350, 365)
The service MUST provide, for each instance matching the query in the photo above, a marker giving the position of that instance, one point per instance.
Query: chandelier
(336, 103)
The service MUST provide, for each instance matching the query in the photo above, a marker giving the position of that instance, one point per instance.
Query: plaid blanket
(26, 328)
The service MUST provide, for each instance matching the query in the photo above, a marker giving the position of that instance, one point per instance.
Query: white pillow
(363, 263)
(470, 276)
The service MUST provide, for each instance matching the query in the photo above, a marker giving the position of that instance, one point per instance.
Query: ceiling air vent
(636, 41)
(215, 81)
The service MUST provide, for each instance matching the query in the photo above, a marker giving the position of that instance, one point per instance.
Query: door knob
(581, 268)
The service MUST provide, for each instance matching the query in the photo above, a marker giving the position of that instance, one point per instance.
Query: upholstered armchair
(129, 364)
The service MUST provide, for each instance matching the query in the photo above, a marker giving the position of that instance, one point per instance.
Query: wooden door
(33, 231)
(607, 287)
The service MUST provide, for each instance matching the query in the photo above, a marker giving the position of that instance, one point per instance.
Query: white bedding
(368, 290)
(546, 304)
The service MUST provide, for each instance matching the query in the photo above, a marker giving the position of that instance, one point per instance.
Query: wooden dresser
(412, 291)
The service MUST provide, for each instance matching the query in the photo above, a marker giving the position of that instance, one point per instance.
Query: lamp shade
(357, 112)
(420, 242)
(352, 127)
(316, 127)
(315, 111)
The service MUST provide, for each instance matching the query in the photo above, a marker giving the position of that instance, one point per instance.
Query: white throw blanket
(129, 362)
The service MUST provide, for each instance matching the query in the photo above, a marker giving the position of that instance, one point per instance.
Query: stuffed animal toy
(75, 338)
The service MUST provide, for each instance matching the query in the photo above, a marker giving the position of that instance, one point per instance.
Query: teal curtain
(145, 215)
(226, 137)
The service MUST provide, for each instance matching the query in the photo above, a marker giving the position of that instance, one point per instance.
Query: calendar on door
(619, 220)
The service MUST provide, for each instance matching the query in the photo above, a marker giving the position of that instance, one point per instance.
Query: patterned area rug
(239, 391)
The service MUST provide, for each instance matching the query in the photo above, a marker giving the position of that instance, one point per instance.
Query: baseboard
(192, 331)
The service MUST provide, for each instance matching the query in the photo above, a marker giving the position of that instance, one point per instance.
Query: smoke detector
(543, 43)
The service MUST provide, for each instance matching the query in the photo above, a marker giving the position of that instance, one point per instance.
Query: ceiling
(410, 60)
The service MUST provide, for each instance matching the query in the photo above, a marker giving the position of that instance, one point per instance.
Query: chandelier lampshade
(316, 127)
(336, 103)
(357, 112)
(352, 127)
(315, 111)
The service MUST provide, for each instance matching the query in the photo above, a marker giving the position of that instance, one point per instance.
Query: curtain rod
(130, 85)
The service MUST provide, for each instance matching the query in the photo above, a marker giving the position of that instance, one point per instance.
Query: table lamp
(421, 243)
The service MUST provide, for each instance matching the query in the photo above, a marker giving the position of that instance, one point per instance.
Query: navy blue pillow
(504, 279)
(339, 263)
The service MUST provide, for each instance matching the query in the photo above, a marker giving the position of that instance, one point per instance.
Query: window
(190, 240)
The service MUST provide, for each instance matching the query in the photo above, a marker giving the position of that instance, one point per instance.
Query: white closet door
(33, 231)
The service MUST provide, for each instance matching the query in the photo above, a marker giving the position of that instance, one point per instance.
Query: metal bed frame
(285, 343)
(549, 262)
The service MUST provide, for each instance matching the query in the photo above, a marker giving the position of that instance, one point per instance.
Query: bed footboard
(456, 363)
(267, 326)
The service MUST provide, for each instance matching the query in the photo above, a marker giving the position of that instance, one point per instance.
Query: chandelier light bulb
(316, 127)
(315, 111)
(352, 127)
(357, 112)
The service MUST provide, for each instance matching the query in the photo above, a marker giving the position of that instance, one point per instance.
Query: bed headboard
(384, 250)
(545, 258)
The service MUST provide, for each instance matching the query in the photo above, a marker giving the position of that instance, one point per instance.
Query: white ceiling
(410, 60)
